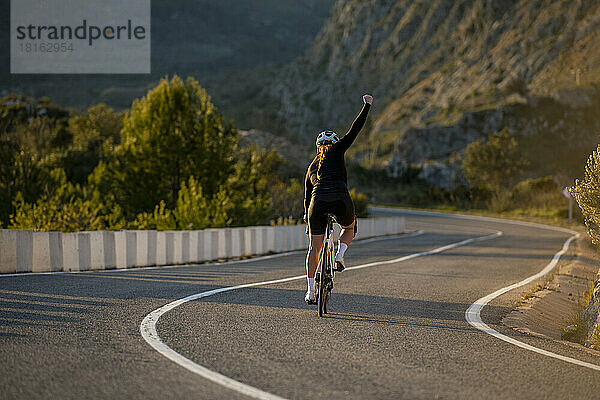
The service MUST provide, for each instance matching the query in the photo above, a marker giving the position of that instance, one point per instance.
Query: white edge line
(246, 260)
(150, 334)
(473, 313)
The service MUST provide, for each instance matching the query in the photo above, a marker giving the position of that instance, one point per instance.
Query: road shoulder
(554, 304)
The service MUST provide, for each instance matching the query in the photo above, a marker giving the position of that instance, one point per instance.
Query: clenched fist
(367, 98)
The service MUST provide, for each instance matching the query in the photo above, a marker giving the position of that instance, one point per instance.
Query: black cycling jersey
(333, 174)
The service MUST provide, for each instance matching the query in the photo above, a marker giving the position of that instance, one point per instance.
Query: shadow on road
(355, 307)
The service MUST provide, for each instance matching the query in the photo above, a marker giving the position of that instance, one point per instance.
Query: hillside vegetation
(448, 72)
(170, 162)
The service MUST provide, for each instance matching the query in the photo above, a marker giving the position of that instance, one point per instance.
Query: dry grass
(577, 331)
(532, 293)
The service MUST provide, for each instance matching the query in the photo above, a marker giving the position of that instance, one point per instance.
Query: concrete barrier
(174, 247)
(141, 248)
(40, 261)
(290, 235)
(262, 240)
(185, 247)
(196, 246)
(161, 248)
(249, 246)
(16, 250)
(237, 242)
(22, 250)
(120, 249)
(102, 253)
(221, 245)
(227, 241)
(279, 234)
(84, 249)
(151, 247)
(211, 245)
(47, 253)
(70, 252)
(96, 249)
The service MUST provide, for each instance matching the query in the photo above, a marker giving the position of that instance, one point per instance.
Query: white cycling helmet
(327, 136)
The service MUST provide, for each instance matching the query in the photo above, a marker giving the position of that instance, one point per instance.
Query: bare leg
(312, 258)
(347, 234)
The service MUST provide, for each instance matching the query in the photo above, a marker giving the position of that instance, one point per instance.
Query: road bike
(325, 269)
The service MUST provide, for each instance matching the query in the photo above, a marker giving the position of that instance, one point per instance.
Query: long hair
(321, 151)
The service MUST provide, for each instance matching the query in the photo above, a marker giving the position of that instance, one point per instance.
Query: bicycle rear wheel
(322, 289)
(326, 302)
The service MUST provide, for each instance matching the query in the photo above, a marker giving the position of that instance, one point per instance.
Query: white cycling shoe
(339, 263)
(310, 298)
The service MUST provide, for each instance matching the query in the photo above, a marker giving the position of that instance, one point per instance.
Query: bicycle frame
(325, 269)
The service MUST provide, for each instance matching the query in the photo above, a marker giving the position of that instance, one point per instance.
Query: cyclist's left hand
(367, 98)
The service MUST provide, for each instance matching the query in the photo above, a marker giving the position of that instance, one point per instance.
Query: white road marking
(473, 313)
(150, 333)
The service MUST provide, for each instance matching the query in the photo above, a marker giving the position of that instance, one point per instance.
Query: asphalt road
(395, 330)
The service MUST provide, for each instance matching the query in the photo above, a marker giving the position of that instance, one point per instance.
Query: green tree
(254, 174)
(22, 171)
(33, 139)
(495, 164)
(92, 134)
(171, 134)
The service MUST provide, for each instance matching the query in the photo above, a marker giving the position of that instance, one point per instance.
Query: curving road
(397, 330)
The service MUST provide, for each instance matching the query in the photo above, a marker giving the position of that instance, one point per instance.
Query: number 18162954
(64, 47)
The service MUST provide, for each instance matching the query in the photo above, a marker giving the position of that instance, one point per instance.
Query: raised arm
(357, 125)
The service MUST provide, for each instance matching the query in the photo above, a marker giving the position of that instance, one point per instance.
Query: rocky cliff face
(447, 72)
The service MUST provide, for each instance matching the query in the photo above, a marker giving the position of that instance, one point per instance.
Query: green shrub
(71, 208)
(361, 202)
(194, 211)
(540, 193)
(287, 200)
(587, 194)
(54, 214)
(496, 163)
(161, 219)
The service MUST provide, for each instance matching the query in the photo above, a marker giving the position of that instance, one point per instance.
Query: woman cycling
(326, 192)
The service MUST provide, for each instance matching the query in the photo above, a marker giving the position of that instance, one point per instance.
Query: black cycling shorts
(339, 205)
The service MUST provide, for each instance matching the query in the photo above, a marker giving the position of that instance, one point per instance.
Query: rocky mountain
(220, 43)
(447, 72)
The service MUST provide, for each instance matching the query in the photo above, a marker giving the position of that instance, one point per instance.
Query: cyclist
(326, 192)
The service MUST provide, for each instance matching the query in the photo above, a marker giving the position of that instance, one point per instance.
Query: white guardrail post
(16, 250)
(22, 250)
(193, 252)
(47, 253)
(141, 248)
(161, 248)
(185, 247)
(70, 251)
